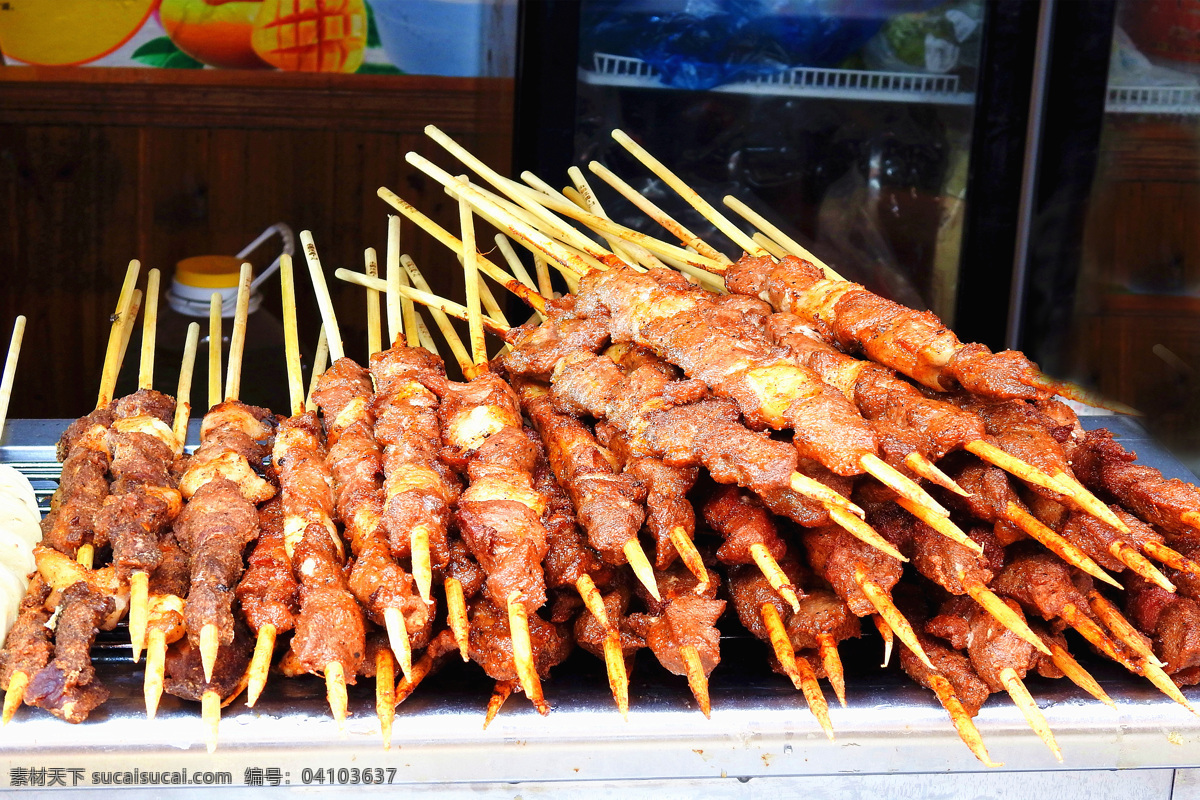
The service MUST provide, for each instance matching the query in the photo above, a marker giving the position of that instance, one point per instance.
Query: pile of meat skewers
(682, 441)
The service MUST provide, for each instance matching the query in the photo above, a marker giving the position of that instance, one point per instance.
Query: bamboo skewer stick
(320, 362)
(10, 369)
(291, 336)
(183, 393)
(237, 339)
(450, 241)
(511, 189)
(374, 330)
(456, 616)
(122, 330)
(889, 638)
(1171, 557)
(502, 692)
(596, 257)
(697, 680)
(1082, 623)
(962, 722)
(772, 247)
(385, 694)
(735, 234)
(797, 669)
(926, 469)
(210, 713)
(471, 272)
(887, 609)
(1089, 502)
(397, 631)
(781, 643)
(813, 695)
(214, 349)
(1055, 543)
(395, 306)
(418, 296)
(545, 287)
(126, 326)
(1077, 674)
(940, 524)
(457, 349)
(833, 666)
(1122, 628)
(112, 361)
(592, 203)
(324, 301)
(424, 337)
(603, 226)
(772, 231)
(139, 580)
(618, 677)
(676, 229)
(689, 555)
(518, 627)
(149, 329)
(1127, 555)
(774, 574)
(517, 268)
(1002, 612)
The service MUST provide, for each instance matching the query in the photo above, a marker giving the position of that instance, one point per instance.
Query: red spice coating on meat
(970, 689)
(418, 488)
(1102, 464)
(607, 503)
(146, 403)
(87, 432)
(568, 556)
(66, 687)
(491, 643)
(184, 676)
(743, 521)
(82, 489)
(834, 554)
(916, 343)
(1040, 582)
(215, 527)
(268, 592)
(330, 626)
(28, 646)
(536, 349)
(591, 635)
(688, 620)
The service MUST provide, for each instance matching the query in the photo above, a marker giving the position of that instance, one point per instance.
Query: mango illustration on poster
(431, 37)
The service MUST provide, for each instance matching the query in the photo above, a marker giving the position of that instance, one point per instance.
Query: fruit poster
(433, 37)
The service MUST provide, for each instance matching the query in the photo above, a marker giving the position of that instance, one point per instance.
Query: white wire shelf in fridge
(840, 84)
(1179, 100)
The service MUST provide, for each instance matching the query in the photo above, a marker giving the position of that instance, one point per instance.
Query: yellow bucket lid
(209, 272)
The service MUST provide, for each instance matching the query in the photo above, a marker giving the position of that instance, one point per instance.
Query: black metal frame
(548, 49)
(1073, 118)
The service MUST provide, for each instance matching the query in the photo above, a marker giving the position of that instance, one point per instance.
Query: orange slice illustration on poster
(214, 32)
(62, 32)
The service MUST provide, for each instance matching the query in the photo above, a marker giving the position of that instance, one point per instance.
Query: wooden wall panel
(99, 166)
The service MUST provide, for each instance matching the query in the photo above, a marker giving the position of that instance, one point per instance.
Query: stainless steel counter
(760, 727)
